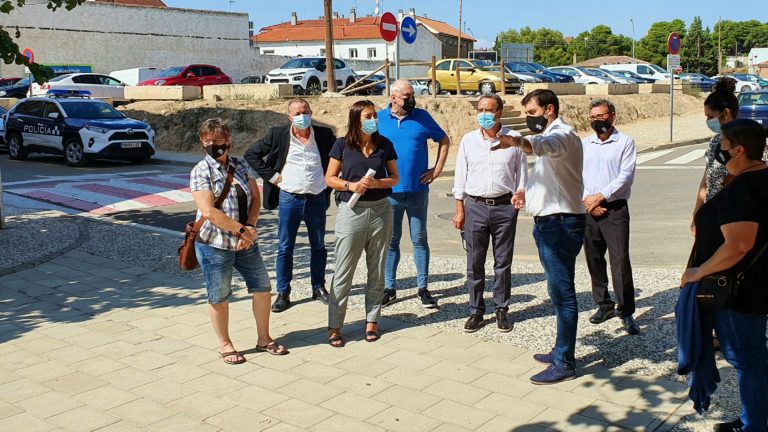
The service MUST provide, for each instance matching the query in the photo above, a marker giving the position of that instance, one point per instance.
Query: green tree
(9, 50)
(653, 46)
(698, 54)
(550, 48)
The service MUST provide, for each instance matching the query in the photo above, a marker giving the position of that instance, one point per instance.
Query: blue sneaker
(553, 374)
(547, 358)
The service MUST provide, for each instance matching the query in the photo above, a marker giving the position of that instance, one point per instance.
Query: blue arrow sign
(408, 29)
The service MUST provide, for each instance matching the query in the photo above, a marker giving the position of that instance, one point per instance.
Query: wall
(112, 37)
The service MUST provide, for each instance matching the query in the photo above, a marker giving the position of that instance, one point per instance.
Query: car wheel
(16, 150)
(350, 81)
(313, 86)
(487, 88)
(438, 88)
(425, 92)
(745, 88)
(74, 153)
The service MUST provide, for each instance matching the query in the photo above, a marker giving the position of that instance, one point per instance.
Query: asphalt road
(661, 203)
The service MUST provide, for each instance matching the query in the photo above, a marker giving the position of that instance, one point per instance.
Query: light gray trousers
(366, 227)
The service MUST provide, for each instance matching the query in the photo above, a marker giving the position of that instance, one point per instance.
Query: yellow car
(474, 76)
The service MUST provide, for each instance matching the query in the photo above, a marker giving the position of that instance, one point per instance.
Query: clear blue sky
(486, 18)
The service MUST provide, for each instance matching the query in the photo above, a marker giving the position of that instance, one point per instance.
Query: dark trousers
(610, 232)
(482, 224)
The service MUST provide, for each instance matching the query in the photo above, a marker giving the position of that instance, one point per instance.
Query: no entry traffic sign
(388, 27)
(673, 43)
(28, 53)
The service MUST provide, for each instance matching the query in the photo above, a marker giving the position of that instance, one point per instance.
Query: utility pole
(330, 72)
(633, 39)
(459, 42)
(719, 49)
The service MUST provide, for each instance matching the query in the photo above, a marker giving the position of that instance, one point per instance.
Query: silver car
(582, 75)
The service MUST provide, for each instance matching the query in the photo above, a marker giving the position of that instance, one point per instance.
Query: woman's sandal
(371, 335)
(334, 338)
(272, 348)
(240, 358)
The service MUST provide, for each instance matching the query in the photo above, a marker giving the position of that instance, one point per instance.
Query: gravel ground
(652, 353)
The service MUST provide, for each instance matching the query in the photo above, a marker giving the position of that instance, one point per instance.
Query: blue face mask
(302, 121)
(370, 126)
(714, 125)
(486, 120)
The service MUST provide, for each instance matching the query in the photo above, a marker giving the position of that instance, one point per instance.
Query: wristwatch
(346, 186)
(241, 231)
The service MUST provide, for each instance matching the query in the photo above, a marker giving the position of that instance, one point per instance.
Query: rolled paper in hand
(356, 196)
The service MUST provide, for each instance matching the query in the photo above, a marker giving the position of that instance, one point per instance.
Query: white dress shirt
(555, 185)
(609, 166)
(487, 173)
(303, 169)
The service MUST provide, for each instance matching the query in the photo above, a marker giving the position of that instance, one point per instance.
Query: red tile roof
(147, 3)
(343, 29)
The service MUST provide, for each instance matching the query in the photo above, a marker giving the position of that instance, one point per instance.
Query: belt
(558, 216)
(505, 199)
(304, 196)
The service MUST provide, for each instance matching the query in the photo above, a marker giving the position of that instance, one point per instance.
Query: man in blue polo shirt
(409, 128)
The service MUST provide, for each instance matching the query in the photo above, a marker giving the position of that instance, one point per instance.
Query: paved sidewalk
(90, 343)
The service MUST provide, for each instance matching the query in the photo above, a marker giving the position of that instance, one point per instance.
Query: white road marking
(175, 195)
(670, 167)
(687, 158)
(645, 157)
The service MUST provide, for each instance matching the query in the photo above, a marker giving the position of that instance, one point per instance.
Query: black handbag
(720, 290)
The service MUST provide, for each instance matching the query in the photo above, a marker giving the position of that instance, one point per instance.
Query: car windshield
(746, 99)
(302, 63)
(744, 77)
(592, 72)
(90, 110)
(599, 72)
(171, 72)
(657, 68)
(59, 78)
(24, 82)
(538, 66)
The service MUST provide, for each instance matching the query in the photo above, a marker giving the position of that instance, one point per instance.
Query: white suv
(307, 75)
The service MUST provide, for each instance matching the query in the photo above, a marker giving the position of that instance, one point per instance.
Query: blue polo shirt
(409, 136)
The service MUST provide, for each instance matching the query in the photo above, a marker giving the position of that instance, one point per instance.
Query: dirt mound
(176, 122)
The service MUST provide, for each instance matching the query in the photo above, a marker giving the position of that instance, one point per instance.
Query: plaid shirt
(210, 175)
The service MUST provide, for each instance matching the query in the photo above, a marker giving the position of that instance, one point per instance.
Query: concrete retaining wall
(162, 92)
(653, 88)
(559, 88)
(247, 91)
(611, 89)
(7, 103)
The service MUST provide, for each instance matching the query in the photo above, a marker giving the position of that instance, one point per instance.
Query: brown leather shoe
(502, 321)
(474, 323)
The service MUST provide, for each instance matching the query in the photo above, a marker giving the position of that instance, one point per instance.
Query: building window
(371, 53)
(353, 53)
(267, 52)
(322, 51)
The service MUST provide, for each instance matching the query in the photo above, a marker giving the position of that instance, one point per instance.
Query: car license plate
(130, 145)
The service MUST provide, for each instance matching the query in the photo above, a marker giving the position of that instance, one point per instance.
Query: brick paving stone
(25, 422)
(164, 345)
(268, 378)
(180, 372)
(194, 355)
(455, 371)
(610, 393)
(400, 420)
(411, 360)
(507, 406)
(559, 399)
(456, 391)
(181, 422)
(151, 323)
(506, 424)
(360, 384)
(106, 397)
(42, 344)
(215, 384)
(90, 339)
(163, 391)
(20, 359)
(179, 331)
(147, 360)
(516, 388)
(255, 398)
(48, 404)
(128, 378)
(70, 354)
(142, 412)
(20, 389)
(354, 406)
(117, 350)
(619, 415)
(454, 340)
(365, 366)
(75, 383)
(298, 413)
(45, 371)
(84, 418)
(309, 391)
(341, 423)
(322, 354)
(412, 345)
(241, 419)
(500, 366)
(137, 336)
(63, 331)
(448, 427)
(281, 363)
(406, 398)
(318, 372)
(108, 326)
(553, 419)
(8, 410)
(366, 350)
(200, 405)
(412, 378)
(458, 414)
(218, 367)
(98, 365)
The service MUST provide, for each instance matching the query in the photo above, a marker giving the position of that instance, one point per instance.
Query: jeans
(292, 211)
(559, 240)
(217, 265)
(414, 204)
(742, 342)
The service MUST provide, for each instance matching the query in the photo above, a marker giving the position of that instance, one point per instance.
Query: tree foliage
(549, 45)
(9, 50)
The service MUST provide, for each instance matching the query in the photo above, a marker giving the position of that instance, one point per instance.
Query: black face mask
(601, 126)
(216, 151)
(409, 104)
(536, 124)
(722, 156)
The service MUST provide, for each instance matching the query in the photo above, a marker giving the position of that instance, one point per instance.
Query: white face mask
(302, 121)
(714, 125)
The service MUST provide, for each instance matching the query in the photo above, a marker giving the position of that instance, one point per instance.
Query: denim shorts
(217, 265)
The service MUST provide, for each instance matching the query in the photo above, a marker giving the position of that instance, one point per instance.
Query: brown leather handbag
(187, 256)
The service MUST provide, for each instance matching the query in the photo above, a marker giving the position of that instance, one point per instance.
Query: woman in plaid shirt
(227, 239)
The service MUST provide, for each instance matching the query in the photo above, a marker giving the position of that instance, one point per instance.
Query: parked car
(376, 78)
(19, 90)
(754, 105)
(252, 79)
(630, 75)
(198, 75)
(700, 81)
(98, 85)
(582, 75)
(644, 70)
(8, 81)
(742, 85)
(619, 78)
(307, 75)
(421, 87)
(606, 74)
(70, 123)
(525, 73)
(762, 83)
(559, 78)
(473, 77)
(134, 76)
(3, 115)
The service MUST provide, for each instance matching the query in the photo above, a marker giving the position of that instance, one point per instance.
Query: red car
(193, 75)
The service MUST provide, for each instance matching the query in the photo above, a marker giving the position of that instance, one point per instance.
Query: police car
(70, 123)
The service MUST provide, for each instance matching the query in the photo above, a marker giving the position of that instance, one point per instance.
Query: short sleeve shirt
(744, 200)
(410, 136)
(210, 175)
(715, 172)
(354, 165)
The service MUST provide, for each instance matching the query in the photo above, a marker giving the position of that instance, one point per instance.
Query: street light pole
(633, 38)
(586, 55)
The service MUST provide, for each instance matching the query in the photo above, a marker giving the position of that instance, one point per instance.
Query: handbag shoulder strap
(221, 198)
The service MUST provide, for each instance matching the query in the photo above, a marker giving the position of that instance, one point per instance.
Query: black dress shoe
(321, 294)
(734, 426)
(282, 302)
(630, 325)
(474, 323)
(603, 313)
(502, 321)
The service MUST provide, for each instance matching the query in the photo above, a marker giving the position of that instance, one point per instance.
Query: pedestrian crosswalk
(107, 194)
(689, 157)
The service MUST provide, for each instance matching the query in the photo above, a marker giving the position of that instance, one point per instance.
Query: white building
(757, 56)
